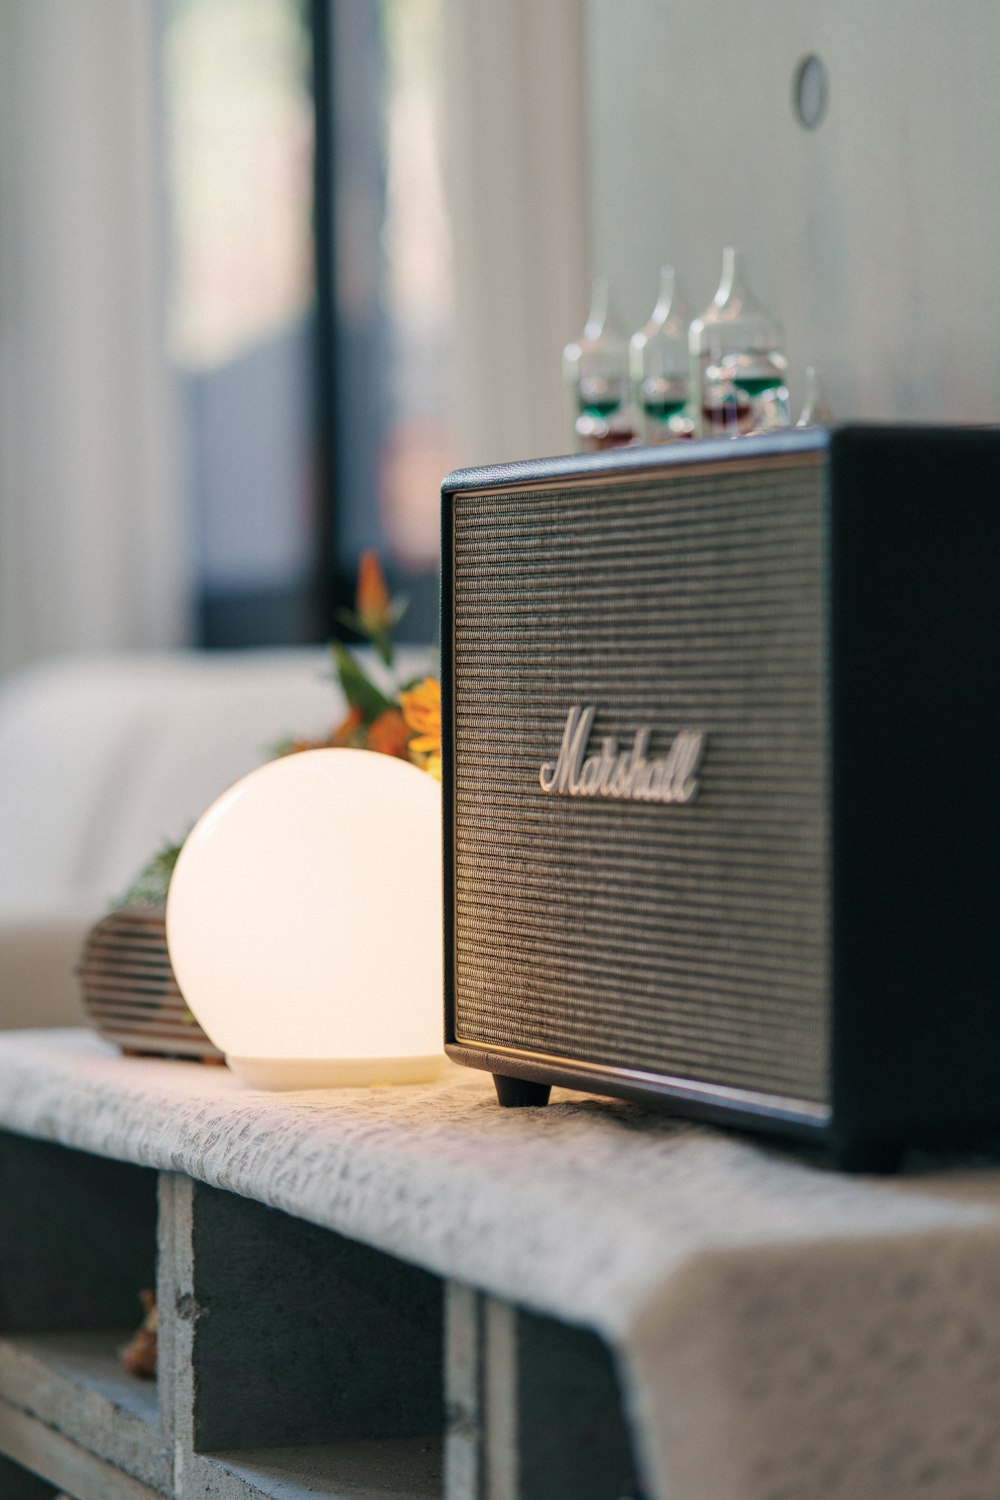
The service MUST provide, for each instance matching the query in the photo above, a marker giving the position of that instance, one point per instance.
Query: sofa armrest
(39, 955)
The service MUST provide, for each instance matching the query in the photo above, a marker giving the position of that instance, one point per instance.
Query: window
(310, 303)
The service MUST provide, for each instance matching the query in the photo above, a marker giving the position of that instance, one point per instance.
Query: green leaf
(281, 748)
(359, 690)
(382, 642)
(380, 635)
(153, 881)
(353, 621)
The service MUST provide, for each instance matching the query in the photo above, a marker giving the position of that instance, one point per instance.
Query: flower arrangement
(403, 719)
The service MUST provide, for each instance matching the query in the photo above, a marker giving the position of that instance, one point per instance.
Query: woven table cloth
(782, 1332)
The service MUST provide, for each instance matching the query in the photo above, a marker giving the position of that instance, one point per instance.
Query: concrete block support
(534, 1411)
(19, 1484)
(274, 1298)
(293, 1361)
(78, 1238)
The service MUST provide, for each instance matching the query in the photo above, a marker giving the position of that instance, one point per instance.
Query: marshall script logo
(629, 775)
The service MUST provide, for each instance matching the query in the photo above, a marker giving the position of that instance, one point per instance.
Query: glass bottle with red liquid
(737, 361)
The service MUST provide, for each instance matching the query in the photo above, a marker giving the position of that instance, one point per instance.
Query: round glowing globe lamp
(304, 922)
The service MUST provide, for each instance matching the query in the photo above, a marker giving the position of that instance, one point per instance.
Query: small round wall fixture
(304, 922)
(810, 91)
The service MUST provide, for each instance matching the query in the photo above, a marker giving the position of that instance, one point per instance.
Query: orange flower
(422, 711)
(295, 747)
(349, 731)
(373, 601)
(389, 734)
(421, 707)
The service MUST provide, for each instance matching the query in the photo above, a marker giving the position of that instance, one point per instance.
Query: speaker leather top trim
(796, 444)
(634, 475)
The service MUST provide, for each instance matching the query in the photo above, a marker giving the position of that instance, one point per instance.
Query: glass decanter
(816, 409)
(658, 365)
(595, 368)
(737, 360)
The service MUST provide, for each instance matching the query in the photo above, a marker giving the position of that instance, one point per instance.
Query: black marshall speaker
(722, 781)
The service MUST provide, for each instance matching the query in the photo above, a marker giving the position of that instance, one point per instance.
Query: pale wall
(875, 237)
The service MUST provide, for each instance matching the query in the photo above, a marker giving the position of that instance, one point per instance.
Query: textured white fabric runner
(783, 1333)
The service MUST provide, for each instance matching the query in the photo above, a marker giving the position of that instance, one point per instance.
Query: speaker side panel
(916, 723)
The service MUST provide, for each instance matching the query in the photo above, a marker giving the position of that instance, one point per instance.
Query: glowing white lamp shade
(304, 922)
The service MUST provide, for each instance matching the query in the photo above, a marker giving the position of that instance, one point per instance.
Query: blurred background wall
(872, 235)
(269, 267)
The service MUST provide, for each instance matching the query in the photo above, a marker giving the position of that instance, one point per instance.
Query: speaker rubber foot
(521, 1093)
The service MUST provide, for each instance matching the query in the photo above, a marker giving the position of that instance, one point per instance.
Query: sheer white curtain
(93, 544)
(94, 536)
(516, 147)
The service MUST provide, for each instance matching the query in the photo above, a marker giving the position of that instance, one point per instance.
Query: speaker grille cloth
(685, 940)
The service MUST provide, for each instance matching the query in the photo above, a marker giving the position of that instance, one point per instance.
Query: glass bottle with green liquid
(737, 360)
(595, 368)
(658, 366)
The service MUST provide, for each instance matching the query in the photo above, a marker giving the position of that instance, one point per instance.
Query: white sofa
(105, 759)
